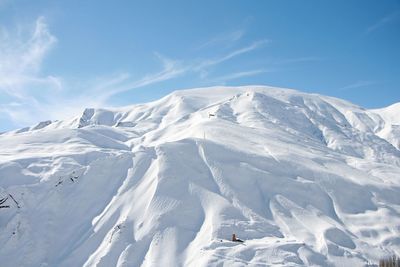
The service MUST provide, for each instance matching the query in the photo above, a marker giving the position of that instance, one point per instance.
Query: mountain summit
(302, 179)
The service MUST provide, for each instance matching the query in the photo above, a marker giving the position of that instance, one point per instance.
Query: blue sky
(57, 57)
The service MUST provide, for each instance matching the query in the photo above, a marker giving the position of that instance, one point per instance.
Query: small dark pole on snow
(14, 200)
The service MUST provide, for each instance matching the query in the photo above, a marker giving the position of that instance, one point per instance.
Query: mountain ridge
(304, 179)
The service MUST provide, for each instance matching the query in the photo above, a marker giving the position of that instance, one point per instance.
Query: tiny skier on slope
(234, 239)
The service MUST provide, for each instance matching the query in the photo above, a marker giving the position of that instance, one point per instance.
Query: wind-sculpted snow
(304, 180)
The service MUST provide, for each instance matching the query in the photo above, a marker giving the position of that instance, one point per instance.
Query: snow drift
(304, 179)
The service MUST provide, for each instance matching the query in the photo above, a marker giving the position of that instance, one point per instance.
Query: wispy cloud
(32, 96)
(299, 60)
(357, 84)
(170, 69)
(4, 3)
(22, 53)
(383, 21)
(238, 75)
(21, 58)
(225, 39)
(36, 97)
(211, 62)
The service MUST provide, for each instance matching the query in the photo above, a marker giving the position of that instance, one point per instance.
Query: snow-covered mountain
(303, 179)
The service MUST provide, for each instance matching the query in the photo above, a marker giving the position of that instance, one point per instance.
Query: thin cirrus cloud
(383, 21)
(29, 96)
(32, 96)
(357, 84)
(211, 62)
(240, 74)
(21, 59)
(171, 69)
(22, 53)
(299, 60)
(224, 39)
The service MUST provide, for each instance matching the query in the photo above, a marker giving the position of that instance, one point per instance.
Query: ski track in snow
(304, 179)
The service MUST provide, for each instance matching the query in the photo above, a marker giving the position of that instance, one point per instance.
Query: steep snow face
(303, 179)
(389, 127)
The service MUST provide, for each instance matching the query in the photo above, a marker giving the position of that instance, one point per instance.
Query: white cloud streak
(383, 21)
(4, 3)
(32, 97)
(28, 96)
(238, 75)
(238, 52)
(225, 39)
(299, 60)
(357, 84)
(170, 69)
(21, 58)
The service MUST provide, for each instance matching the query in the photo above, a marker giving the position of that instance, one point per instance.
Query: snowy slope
(304, 179)
(389, 125)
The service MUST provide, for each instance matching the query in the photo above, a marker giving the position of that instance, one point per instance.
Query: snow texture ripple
(303, 179)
